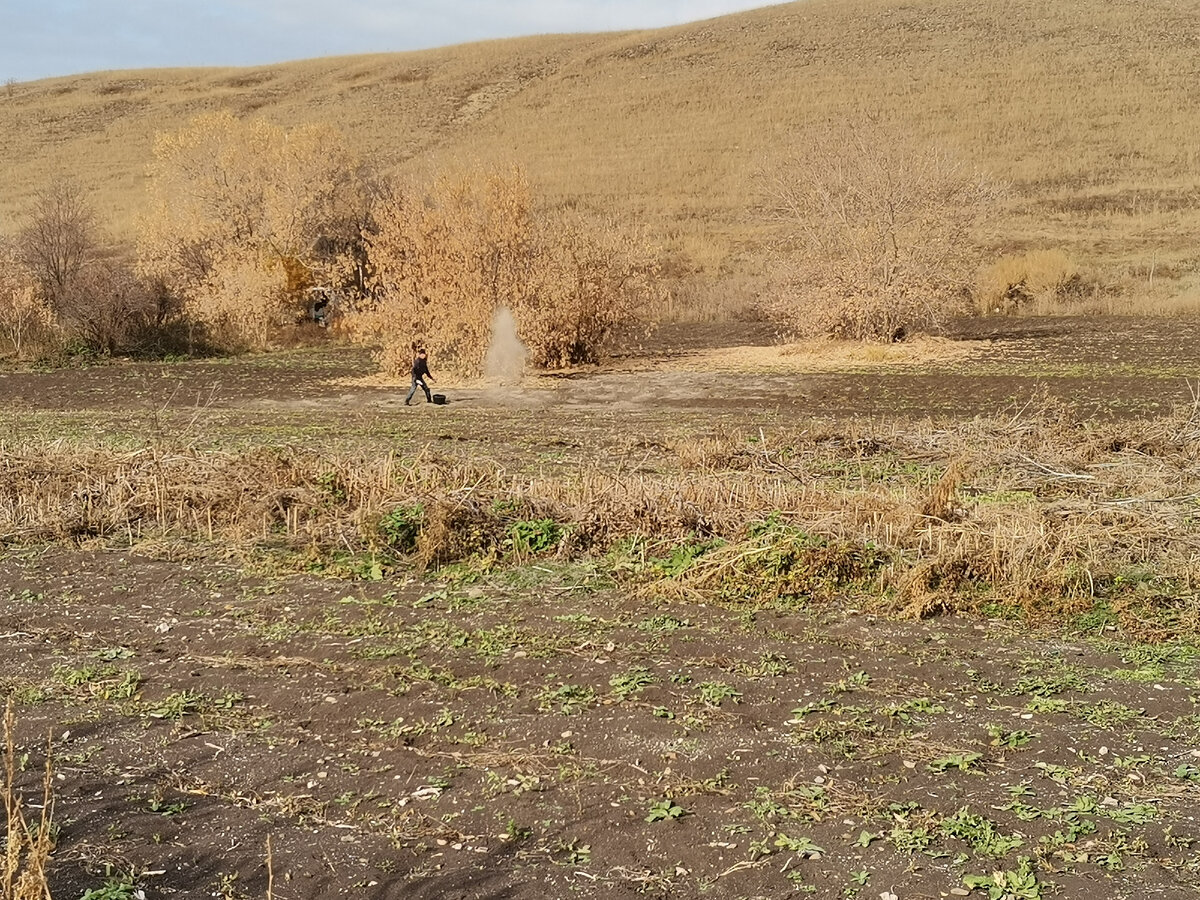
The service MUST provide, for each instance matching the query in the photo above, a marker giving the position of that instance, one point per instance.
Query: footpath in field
(541, 732)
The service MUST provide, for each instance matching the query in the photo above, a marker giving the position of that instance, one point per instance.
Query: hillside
(1086, 107)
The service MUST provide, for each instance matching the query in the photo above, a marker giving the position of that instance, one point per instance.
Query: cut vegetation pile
(1039, 514)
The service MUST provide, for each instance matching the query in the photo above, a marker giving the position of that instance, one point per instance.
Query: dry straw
(1037, 510)
(23, 870)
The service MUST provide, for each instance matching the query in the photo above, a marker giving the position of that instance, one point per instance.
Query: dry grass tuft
(1035, 281)
(27, 849)
(827, 356)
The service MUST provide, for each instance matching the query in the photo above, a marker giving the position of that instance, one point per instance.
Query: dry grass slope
(1087, 107)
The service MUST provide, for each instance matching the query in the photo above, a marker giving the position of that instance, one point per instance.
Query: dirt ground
(510, 738)
(549, 730)
(1101, 366)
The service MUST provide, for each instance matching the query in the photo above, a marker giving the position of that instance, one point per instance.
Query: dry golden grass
(27, 848)
(1036, 511)
(1088, 108)
(826, 356)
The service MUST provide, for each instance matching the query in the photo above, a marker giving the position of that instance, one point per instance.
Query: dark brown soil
(1108, 367)
(508, 734)
(395, 740)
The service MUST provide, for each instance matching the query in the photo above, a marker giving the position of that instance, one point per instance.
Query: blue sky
(43, 38)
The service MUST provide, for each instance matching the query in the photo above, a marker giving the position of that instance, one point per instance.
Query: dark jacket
(420, 368)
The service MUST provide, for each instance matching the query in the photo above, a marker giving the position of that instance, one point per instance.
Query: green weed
(665, 810)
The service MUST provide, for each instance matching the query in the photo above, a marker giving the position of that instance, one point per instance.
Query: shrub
(444, 259)
(242, 298)
(590, 278)
(107, 308)
(25, 316)
(877, 232)
(401, 526)
(59, 238)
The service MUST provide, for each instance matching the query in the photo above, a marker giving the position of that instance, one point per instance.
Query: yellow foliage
(444, 259)
(25, 313)
(239, 205)
(243, 296)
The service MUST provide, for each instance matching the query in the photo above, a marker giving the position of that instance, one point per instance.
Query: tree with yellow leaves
(243, 215)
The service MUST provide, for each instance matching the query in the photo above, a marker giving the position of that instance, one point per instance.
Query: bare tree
(59, 239)
(878, 231)
(107, 306)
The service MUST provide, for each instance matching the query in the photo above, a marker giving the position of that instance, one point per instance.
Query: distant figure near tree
(420, 371)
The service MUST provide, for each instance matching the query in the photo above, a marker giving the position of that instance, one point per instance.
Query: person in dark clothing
(420, 371)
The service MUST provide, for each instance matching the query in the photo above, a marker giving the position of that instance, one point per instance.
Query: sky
(44, 38)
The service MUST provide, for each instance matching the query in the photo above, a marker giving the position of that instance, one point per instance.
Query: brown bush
(59, 239)
(242, 213)
(444, 258)
(590, 277)
(26, 319)
(878, 232)
(107, 307)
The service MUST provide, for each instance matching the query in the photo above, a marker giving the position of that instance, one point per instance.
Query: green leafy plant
(804, 846)
(627, 684)
(665, 809)
(714, 693)
(1012, 740)
(1009, 884)
(115, 887)
(963, 762)
(533, 536)
(568, 699)
(1188, 772)
(401, 526)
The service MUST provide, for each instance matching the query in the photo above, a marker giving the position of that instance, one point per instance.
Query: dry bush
(107, 307)
(1029, 281)
(59, 239)
(589, 278)
(232, 204)
(879, 232)
(242, 298)
(27, 849)
(445, 258)
(25, 316)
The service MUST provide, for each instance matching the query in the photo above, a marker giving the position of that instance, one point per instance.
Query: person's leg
(411, 392)
(428, 396)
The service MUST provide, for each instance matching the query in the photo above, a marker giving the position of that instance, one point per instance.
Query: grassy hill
(1087, 107)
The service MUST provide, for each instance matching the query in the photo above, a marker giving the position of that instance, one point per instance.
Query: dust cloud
(505, 360)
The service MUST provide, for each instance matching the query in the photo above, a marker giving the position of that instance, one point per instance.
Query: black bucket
(439, 399)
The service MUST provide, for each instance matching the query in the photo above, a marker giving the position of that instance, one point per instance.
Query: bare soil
(510, 732)
(1102, 367)
(409, 739)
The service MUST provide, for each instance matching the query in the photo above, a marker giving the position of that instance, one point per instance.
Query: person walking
(420, 371)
